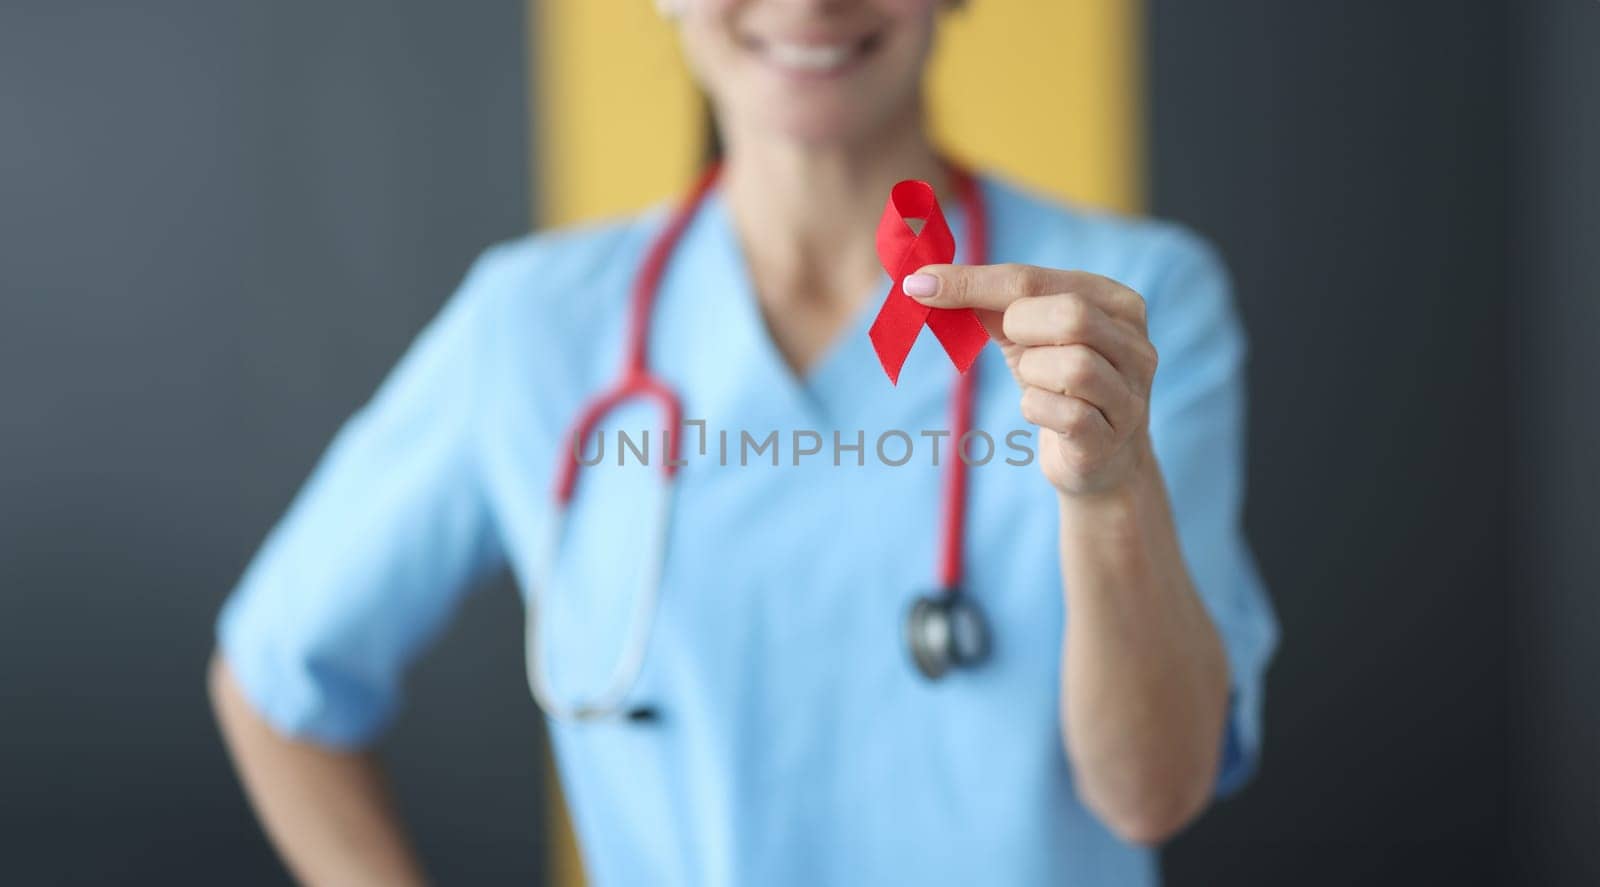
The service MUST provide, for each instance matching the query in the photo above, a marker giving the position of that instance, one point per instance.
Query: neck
(806, 214)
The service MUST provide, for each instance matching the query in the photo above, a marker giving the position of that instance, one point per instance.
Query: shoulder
(1153, 256)
(549, 303)
(544, 313)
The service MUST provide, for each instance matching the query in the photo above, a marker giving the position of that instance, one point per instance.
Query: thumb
(989, 287)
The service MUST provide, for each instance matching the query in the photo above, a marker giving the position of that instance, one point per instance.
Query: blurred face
(815, 71)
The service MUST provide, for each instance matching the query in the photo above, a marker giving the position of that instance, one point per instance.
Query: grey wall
(220, 223)
(1350, 158)
(1556, 586)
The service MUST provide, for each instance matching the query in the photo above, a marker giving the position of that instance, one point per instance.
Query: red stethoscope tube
(638, 381)
(942, 616)
(961, 400)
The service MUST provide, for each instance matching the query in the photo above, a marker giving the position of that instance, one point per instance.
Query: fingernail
(920, 286)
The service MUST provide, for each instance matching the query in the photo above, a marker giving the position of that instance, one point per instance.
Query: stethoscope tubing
(639, 382)
(611, 702)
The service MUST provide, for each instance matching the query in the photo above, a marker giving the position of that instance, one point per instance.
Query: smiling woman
(292, 191)
(1080, 742)
(985, 75)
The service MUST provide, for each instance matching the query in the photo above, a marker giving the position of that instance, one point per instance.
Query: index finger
(995, 287)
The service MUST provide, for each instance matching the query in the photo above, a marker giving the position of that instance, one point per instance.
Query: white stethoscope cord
(611, 701)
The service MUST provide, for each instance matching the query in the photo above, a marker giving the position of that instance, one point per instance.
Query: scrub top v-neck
(797, 745)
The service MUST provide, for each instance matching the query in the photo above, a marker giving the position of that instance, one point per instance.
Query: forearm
(329, 813)
(1144, 677)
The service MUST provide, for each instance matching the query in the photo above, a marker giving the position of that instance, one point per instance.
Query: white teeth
(810, 57)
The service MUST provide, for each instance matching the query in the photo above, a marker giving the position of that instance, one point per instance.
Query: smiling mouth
(812, 58)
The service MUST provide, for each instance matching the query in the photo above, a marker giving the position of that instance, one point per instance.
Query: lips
(812, 57)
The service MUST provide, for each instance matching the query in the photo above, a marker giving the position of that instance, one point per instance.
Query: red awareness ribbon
(902, 251)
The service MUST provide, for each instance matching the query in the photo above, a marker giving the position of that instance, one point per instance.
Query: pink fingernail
(921, 286)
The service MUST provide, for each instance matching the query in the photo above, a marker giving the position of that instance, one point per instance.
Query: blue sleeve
(1197, 424)
(377, 549)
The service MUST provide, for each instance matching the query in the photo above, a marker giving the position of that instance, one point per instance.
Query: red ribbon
(902, 251)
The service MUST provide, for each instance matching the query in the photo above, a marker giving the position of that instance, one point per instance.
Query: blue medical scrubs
(797, 744)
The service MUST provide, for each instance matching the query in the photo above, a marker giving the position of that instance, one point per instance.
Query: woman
(792, 737)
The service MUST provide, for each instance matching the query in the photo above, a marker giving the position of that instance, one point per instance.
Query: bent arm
(329, 813)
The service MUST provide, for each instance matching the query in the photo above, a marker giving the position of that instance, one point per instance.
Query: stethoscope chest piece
(944, 631)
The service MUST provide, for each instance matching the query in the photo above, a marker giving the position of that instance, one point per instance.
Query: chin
(843, 113)
(819, 127)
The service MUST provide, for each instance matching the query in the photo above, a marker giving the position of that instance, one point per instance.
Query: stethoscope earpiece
(944, 631)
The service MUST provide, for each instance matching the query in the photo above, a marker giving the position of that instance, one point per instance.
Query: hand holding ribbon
(902, 251)
(1079, 347)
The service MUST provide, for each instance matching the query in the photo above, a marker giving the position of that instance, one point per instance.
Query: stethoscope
(944, 629)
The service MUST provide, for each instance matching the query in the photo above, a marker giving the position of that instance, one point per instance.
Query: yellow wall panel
(617, 124)
(1049, 92)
